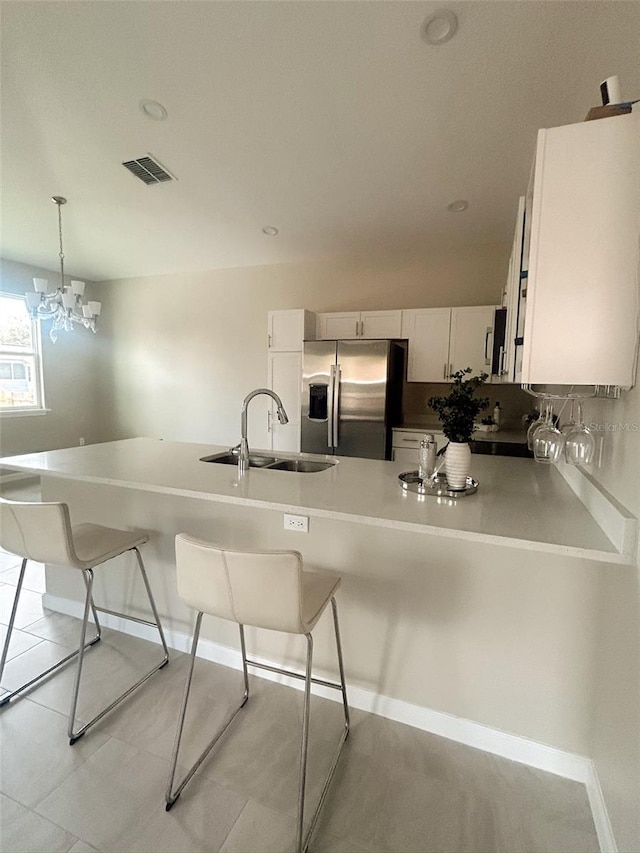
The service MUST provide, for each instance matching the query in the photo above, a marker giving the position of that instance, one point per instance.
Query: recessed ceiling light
(153, 110)
(458, 206)
(270, 231)
(440, 27)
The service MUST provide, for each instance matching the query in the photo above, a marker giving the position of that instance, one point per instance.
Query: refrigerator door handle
(330, 405)
(336, 404)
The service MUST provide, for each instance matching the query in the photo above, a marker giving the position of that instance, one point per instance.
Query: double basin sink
(273, 463)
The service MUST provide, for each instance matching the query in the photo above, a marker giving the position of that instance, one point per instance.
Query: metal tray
(411, 482)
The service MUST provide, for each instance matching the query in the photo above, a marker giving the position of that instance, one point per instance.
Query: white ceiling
(333, 121)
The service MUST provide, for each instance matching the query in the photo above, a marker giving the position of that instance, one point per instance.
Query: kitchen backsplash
(514, 403)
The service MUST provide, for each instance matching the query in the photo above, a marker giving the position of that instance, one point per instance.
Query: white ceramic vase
(457, 464)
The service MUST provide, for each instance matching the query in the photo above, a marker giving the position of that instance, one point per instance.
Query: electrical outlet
(299, 523)
(81, 441)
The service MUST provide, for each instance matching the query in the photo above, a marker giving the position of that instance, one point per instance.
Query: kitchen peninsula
(481, 608)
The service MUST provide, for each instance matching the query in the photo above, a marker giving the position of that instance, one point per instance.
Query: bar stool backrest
(258, 588)
(38, 531)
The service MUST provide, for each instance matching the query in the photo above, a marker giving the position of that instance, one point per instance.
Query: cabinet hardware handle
(444, 374)
(357, 328)
(411, 440)
(269, 340)
(450, 370)
(268, 420)
(503, 353)
(336, 405)
(487, 360)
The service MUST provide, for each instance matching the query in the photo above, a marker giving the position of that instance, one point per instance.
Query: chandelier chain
(61, 253)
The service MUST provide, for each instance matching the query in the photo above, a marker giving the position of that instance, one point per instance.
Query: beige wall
(71, 391)
(181, 351)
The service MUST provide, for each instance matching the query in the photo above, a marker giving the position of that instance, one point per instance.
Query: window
(20, 361)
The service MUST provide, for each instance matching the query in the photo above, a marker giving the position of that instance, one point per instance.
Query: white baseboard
(569, 765)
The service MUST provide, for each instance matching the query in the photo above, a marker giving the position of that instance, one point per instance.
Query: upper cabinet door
(581, 322)
(380, 324)
(471, 343)
(288, 329)
(427, 330)
(340, 326)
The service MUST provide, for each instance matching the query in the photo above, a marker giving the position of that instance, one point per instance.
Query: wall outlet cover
(298, 523)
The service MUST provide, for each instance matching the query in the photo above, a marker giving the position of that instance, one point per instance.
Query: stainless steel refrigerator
(351, 397)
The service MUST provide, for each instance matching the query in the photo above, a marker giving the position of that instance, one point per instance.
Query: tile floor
(396, 788)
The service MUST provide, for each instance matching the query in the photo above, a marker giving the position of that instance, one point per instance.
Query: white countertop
(518, 502)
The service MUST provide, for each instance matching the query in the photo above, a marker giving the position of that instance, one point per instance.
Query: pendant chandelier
(64, 306)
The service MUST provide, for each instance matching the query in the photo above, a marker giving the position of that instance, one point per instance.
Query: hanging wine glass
(536, 424)
(580, 444)
(548, 441)
(571, 422)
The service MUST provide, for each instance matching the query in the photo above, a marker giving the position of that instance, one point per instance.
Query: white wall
(182, 351)
(69, 366)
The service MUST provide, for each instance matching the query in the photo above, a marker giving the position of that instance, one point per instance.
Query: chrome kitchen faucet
(242, 449)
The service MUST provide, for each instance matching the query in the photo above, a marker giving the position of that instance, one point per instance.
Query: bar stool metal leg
(343, 686)
(172, 795)
(88, 573)
(305, 744)
(301, 845)
(5, 650)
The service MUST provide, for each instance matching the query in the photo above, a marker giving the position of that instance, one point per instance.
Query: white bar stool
(42, 532)
(262, 589)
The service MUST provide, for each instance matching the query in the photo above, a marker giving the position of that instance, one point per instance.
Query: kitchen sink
(258, 460)
(302, 466)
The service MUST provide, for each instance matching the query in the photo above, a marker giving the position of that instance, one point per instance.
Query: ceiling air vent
(148, 170)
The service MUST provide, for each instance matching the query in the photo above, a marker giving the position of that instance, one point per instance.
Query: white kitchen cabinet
(427, 331)
(443, 340)
(339, 326)
(380, 324)
(374, 325)
(286, 330)
(285, 378)
(581, 321)
(471, 338)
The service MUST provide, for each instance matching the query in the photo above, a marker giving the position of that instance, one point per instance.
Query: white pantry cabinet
(443, 340)
(285, 378)
(373, 325)
(581, 321)
(286, 330)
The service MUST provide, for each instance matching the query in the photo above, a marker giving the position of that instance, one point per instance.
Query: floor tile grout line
(43, 817)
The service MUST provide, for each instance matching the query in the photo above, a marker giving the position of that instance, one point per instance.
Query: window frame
(35, 352)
